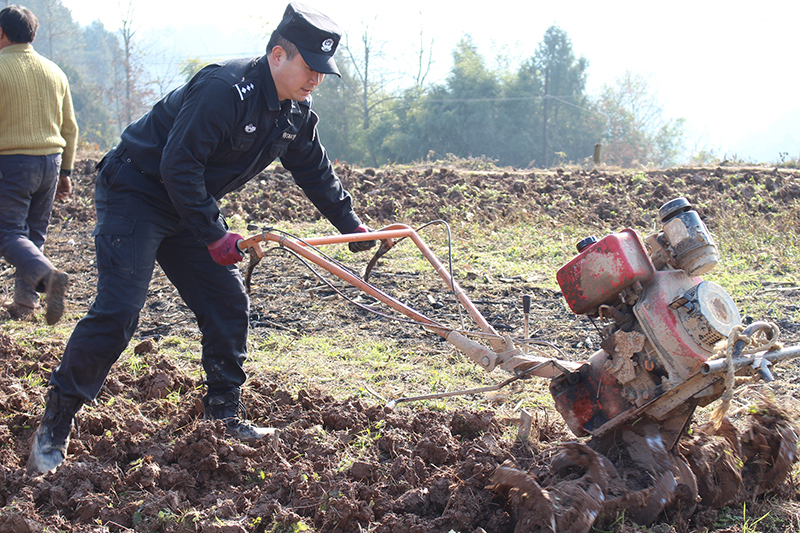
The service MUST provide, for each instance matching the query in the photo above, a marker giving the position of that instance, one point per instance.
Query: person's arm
(69, 131)
(204, 121)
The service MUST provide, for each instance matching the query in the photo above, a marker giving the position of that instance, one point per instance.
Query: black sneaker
(56, 290)
(226, 407)
(50, 442)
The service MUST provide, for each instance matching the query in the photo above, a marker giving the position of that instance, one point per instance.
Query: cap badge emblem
(249, 128)
(327, 45)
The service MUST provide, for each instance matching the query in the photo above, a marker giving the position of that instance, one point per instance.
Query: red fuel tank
(604, 269)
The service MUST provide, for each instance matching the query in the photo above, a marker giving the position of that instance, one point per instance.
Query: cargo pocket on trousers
(115, 245)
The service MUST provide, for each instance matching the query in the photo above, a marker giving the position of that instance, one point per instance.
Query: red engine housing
(661, 326)
(603, 270)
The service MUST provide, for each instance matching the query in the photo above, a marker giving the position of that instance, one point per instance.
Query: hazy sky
(729, 68)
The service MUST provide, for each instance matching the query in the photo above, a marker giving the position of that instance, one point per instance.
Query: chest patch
(289, 136)
(250, 128)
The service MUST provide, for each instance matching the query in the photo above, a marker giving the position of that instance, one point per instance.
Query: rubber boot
(226, 407)
(26, 299)
(56, 285)
(52, 437)
(19, 311)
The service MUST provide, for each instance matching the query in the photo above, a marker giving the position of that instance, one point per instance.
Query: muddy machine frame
(665, 329)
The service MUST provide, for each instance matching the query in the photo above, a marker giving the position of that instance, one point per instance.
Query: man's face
(294, 79)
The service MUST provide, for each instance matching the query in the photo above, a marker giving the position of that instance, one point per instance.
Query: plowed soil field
(144, 460)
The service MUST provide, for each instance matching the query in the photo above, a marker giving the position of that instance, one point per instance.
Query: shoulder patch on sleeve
(244, 88)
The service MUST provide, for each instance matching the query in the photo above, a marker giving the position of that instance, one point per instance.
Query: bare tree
(135, 94)
(374, 92)
(166, 72)
(127, 32)
(423, 63)
(361, 67)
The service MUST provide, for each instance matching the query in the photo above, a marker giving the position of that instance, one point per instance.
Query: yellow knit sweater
(36, 115)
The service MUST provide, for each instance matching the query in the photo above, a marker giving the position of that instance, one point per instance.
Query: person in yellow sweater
(38, 138)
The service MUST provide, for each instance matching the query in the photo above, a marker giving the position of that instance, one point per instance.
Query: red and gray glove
(224, 251)
(361, 246)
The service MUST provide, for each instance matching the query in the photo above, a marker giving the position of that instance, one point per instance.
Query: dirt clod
(144, 460)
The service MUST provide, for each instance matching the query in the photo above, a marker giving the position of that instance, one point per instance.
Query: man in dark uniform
(157, 199)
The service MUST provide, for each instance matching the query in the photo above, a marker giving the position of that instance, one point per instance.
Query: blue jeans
(137, 226)
(27, 190)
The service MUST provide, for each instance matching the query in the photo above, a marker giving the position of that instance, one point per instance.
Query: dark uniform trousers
(137, 226)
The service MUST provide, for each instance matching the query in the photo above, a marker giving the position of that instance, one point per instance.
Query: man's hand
(64, 187)
(361, 246)
(224, 251)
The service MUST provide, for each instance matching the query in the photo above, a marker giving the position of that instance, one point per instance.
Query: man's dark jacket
(215, 133)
